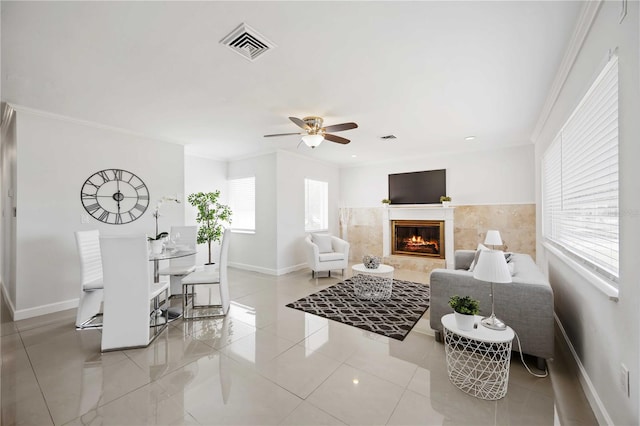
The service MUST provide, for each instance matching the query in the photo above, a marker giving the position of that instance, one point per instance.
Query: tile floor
(263, 364)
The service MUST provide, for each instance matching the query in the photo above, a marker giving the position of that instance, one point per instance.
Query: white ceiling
(430, 73)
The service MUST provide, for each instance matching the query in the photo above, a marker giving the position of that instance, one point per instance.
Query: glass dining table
(166, 255)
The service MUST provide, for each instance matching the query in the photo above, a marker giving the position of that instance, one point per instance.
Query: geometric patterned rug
(393, 318)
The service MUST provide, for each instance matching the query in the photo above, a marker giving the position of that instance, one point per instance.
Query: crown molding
(585, 21)
(47, 114)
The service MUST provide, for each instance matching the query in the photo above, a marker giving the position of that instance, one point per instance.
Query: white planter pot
(446, 203)
(464, 322)
(157, 246)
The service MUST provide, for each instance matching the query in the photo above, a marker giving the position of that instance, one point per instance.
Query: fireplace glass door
(418, 238)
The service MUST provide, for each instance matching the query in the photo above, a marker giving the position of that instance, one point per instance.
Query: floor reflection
(263, 363)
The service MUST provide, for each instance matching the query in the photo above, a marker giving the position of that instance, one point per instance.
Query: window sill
(598, 282)
(242, 231)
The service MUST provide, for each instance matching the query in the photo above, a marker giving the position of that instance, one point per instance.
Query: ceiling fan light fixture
(312, 140)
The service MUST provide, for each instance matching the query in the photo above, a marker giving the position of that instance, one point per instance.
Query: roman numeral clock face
(115, 196)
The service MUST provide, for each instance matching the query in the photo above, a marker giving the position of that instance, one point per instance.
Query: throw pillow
(323, 242)
(475, 259)
(508, 257)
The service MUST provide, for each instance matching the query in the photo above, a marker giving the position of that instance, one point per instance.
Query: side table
(478, 359)
(372, 283)
(385, 271)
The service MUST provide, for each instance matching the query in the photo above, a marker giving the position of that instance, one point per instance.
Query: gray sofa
(525, 305)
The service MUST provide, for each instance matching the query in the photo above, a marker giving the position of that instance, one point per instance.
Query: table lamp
(492, 267)
(493, 238)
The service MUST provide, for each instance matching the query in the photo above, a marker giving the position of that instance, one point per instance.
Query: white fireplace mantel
(419, 213)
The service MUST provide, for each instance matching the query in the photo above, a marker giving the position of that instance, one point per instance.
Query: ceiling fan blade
(337, 139)
(340, 127)
(281, 134)
(299, 123)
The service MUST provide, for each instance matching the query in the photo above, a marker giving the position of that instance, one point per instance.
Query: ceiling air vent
(247, 42)
(388, 137)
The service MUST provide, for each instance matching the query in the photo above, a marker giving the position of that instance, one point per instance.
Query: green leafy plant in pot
(211, 217)
(464, 308)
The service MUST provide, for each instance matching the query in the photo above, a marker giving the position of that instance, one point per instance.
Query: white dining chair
(191, 309)
(91, 283)
(132, 301)
(180, 267)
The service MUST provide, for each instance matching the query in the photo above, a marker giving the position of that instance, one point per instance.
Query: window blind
(580, 179)
(242, 200)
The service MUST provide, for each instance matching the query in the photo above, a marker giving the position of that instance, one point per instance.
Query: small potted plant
(386, 202)
(445, 200)
(464, 309)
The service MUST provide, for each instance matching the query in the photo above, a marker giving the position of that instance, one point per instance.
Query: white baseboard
(253, 268)
(12, 309)
(267, 271)
(20, 314)
(585, 382)
(293, 268)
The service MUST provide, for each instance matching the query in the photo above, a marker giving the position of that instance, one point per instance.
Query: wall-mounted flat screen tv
(418, 187)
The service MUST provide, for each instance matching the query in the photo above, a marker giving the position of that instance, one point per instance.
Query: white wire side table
(478, 359)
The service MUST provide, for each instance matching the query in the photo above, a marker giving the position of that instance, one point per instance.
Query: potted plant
(464, 309)
(211, 217)
(445, 200)
(386, 202)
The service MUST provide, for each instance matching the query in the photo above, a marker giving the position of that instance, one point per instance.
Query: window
(316, 205)
(242, 200)
(580, 179)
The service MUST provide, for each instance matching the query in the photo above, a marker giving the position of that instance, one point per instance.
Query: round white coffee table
(384, 271)
(372, 284)
(478, 359)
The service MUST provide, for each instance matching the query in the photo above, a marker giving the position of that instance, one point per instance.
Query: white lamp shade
(312, 140)
(493, 238)
(492, 267)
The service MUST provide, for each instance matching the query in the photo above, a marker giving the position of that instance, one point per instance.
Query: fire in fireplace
(418, 238)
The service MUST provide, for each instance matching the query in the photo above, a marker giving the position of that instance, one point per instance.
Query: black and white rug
(393, 318)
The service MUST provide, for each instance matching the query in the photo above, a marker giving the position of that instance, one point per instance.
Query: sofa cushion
(328, 257)
(323, 241)
(475, 259)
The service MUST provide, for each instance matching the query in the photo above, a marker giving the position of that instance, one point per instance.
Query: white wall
(257, 251)
(293, 169)
(501, 176)
(203, 175)
(54, 158)
(603, 333)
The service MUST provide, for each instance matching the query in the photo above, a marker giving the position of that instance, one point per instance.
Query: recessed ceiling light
(353, 156)
(469, 138)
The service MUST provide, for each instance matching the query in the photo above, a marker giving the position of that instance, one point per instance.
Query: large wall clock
(114, 196)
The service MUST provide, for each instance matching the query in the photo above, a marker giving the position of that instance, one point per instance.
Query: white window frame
(321, 207)
(580, 191)
(242, 200)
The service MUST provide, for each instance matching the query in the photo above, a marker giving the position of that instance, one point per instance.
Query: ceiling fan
(315, 133)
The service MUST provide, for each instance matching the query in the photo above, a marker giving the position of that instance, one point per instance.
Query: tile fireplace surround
(368, 230)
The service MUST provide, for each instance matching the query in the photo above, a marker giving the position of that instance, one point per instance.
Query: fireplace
(418, 238)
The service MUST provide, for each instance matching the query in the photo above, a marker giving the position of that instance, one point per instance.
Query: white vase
(157, 246)
(464, 322)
